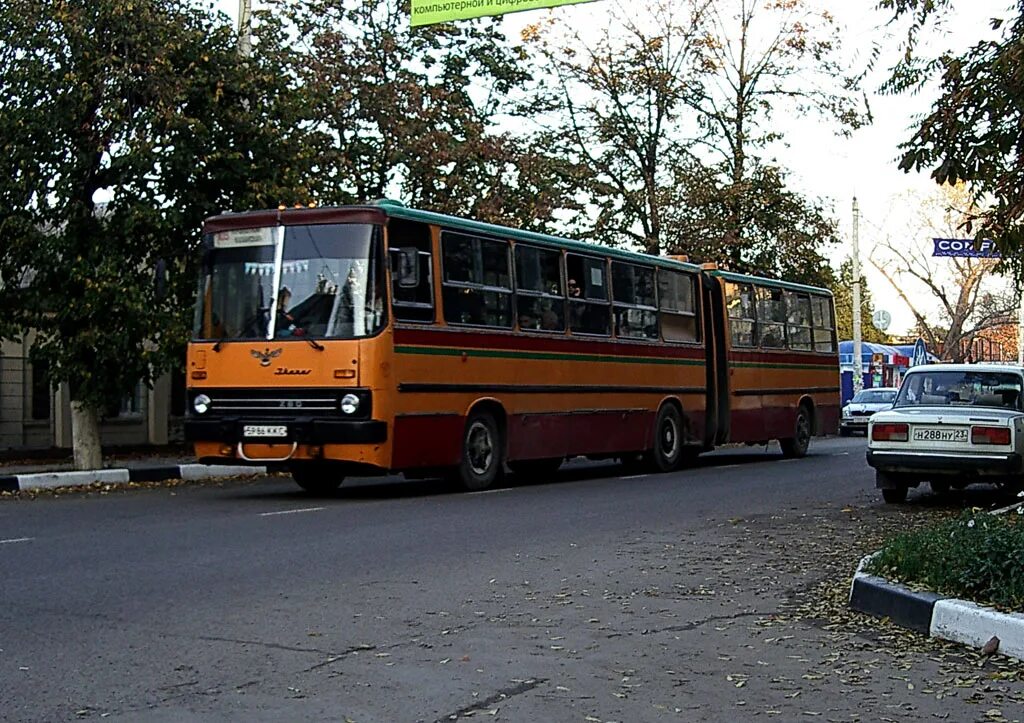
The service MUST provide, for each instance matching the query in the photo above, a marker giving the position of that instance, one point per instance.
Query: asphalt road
(593, 597)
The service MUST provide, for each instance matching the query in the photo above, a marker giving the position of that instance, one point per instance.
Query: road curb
(149, 473)
(945, 618)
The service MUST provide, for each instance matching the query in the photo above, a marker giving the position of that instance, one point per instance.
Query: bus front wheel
(796, 446)
(317, 479)
(482, 452)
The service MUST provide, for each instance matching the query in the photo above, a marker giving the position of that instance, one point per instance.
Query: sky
(864, 165)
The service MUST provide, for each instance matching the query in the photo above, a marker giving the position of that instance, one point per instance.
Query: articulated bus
(375, 339)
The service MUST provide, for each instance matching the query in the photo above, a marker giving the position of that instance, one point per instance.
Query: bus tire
(668, 440)
(536, 467)
(482, 459)
(796, 446)
(317, 479)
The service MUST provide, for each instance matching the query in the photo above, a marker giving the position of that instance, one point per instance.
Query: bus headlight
(350, 404)
(201, 404)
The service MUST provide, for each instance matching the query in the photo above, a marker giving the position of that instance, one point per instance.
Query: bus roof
(762, 281)
(396, 209)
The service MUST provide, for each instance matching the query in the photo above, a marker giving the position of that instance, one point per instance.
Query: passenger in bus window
(285, 321)
(574, 289)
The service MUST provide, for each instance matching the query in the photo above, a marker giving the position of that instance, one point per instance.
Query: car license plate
(940, 434)
(265, 430)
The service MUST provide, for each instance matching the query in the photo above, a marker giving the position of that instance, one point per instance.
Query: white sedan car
(866, 402)
(951, 425)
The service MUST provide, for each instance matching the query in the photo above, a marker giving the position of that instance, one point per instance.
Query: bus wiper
(216, 347)
(315, 344)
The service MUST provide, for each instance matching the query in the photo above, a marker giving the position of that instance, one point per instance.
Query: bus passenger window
(587, 285)
(477, 281)
(540, 300)
(739, 302)
(771, 317)
(824, 324)
(798, 311)
(677, 305)
(636, 314)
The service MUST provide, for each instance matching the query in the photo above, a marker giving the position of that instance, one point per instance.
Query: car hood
(948, 415)
(868, 407)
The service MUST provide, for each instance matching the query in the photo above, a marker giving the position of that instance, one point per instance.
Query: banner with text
(965, 247)
(428, 12)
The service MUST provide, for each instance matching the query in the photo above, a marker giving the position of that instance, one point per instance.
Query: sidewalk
(49, 469)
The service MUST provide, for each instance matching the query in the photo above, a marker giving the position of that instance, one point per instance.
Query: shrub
(975, 556)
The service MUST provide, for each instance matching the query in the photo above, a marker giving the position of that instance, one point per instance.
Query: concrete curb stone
(142, 473)
(946, 618)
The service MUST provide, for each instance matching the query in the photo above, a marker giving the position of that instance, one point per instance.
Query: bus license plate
(935, 434)
(265, 430)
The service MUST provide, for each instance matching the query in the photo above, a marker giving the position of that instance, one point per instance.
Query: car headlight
(350, 404)
(846, 411)
(201, 404)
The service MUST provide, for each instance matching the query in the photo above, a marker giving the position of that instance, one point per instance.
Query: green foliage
(972, 132)
(976, 556)
(842, 291)
(415, 114)
(148, 105)
(785, 234)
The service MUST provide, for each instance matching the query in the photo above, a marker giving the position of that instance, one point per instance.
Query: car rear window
(961, 388)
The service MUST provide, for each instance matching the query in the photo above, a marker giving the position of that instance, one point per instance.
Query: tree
(842, 291)
(761, 58)
(972, 132)
(614, 109)
(147, 105)
(415, 114)
(966, 292)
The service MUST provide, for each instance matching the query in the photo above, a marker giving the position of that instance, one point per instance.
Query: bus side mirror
(406, 267)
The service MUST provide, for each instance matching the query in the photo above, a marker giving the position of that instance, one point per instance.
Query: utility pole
(858, 373)
(1020, 331)
(245, 28)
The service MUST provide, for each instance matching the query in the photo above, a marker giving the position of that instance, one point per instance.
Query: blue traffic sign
(920, 353)
(965, 247)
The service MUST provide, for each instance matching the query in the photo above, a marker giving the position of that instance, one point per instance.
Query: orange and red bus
(373, 339)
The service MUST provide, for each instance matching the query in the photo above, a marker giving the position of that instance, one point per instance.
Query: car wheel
(483, 451)
(796, 446)
(894, 495)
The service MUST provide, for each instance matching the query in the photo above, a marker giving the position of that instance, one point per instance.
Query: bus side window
(477, 286)
(412, 278)
(798, 310)
(739, 301)
(635, 307)
(824, 326)
(540, 292)
(771, 317)
(677, 306)
(587, 287)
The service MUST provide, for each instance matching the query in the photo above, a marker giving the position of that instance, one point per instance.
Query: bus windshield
(325, 281)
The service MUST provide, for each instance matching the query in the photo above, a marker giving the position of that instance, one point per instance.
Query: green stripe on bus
(548, 356)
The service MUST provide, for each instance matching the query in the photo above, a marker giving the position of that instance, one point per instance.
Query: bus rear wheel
(482, 453)
(668, 440)
(317, 479)
(796, 446)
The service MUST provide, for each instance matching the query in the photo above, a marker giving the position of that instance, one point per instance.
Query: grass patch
(975, 556)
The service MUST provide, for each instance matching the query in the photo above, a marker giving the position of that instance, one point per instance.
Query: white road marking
(292, 512)
(491, 492)
(839, 454)
(636, 476)
(16, 539)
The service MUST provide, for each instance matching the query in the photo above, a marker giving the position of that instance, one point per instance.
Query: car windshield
(961, 388)
(329, 283)
(874, 396)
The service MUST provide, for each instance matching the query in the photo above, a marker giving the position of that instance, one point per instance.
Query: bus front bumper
(302, 431)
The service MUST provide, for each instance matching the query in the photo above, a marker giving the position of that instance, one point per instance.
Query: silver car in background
(951, 425)
(865, 403)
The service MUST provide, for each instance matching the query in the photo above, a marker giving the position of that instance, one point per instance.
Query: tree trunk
(85, 437)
